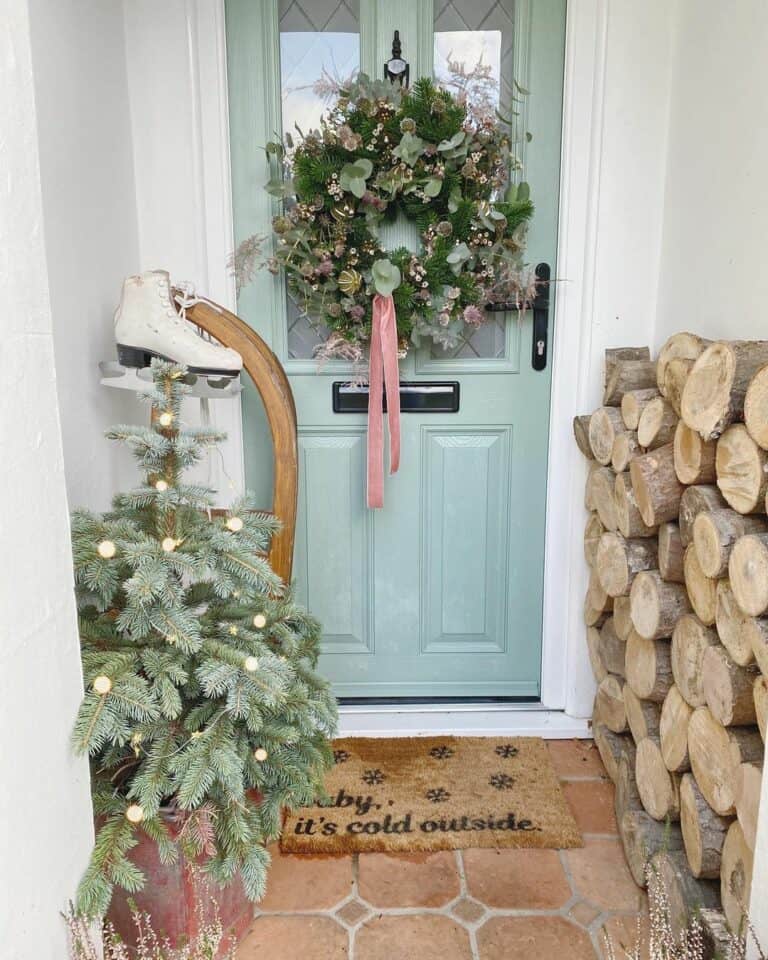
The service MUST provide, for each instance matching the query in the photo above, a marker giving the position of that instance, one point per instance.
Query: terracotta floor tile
(469, 911)
(592, 805)
(299, 882)
(294, 938)
(602, 876)
(576, 758)
(420, 937)
(584, 913)
(526, 938)
(408, 880)
(517, 879)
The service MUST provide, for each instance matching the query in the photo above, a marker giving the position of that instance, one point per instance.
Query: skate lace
(184, 294)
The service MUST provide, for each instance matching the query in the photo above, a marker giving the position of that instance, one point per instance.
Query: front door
(439, 594)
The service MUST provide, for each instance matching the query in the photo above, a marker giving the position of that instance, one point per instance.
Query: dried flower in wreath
(381, 153)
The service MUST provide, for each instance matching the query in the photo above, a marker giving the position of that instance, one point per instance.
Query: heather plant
(149, 945)
(663, 944)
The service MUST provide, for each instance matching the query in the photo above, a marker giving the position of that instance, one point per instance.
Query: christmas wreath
(384, 152)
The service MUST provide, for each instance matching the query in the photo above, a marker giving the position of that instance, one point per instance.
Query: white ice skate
(148, 324)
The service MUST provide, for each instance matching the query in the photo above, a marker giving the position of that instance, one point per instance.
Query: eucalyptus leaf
(386, 277)
(454, 199)
(280, 188)
(353, 176)
(457, 257)
(523, 191)
(409, 149)
(433, 187)
(456, 141)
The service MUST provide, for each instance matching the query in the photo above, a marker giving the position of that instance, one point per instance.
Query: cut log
(728, 688)
(714, 534)
(592, 467)
(694, 458)
(659, 789)
(643, 716)
(738, 631)
(596, 594)
(714, 392)
(690, 641)
(694, 501)
(604, 426)
(612, 747)
(703, 830)
(657, 424)
(740, 467)
(625, 447)
(602, 496)
(736, 877)
(675, 377)
(615, 355)
(685, 894)
(618, 561)
(622, 622)
(756, 408)
(633, 403)
(716, 753)
(671, 553)
(642, 837)
(612, 648)
(715, 935)
(599, 671)
(593, 617)
(629, 520)
(627, 795)
(657, 489)
(627, 375)
(610, 704)
(593, 530)
(702, 590)
(649, 667)
(682, 346)
(673, 731)
(656, 605)
(761, 705)
(749, 780)
(748, 573)
(581, 434)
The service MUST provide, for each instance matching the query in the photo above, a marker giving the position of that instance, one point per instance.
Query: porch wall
(45, 820)
(713, 276)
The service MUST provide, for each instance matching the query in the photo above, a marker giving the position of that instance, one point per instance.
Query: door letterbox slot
(424, 397)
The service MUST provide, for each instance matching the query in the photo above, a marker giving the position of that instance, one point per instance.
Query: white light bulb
(235, 524)
(251, 664)
(106, 549)
(259, 621)
(168, 544)
(102, 685)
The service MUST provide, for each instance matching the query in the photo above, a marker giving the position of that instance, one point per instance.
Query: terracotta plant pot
(171, 895)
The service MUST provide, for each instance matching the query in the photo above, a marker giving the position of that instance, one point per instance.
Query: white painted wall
(712, 276)
(45, 819)
(91, 235)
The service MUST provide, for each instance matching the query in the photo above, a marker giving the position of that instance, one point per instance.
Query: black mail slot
(424, 397)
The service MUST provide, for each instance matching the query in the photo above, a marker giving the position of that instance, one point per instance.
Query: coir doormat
(435, 793)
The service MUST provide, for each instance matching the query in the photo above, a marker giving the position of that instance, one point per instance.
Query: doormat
(435, 793)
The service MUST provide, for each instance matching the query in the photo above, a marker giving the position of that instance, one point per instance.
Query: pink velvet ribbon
(383, 373)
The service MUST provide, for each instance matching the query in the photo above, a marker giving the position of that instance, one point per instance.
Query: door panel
(440, 593)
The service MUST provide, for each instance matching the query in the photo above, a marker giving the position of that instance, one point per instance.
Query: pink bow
(383, 365)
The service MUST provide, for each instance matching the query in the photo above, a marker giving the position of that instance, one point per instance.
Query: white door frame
(567, 685)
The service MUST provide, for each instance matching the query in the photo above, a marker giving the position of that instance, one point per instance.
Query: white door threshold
(460, 720)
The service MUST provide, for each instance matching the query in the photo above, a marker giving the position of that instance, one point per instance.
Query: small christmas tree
(203, 716)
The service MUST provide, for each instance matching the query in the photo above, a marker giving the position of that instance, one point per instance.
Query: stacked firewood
(677, 609)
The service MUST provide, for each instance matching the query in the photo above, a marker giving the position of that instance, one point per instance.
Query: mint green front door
(439, 594)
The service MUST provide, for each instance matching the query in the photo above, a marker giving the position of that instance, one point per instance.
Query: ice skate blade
(140, 358)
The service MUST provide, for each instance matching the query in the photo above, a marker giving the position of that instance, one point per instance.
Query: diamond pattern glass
(474, 54)
(319, 50)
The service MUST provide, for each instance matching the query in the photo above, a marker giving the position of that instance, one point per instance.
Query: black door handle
(540, 309)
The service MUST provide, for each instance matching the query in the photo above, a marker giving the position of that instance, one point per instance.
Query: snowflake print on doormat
(441, 753)
(373, 777)
(506, 750)
(501, 781)
(437, 795)
(341, 756)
